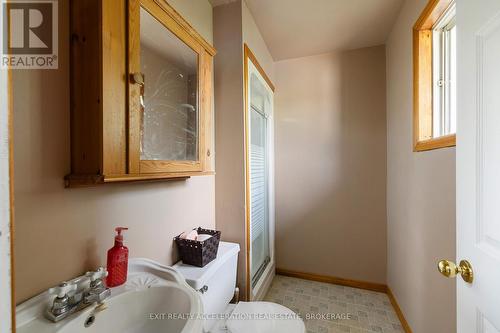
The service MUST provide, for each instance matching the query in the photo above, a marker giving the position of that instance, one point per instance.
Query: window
(434, 57)
(444, 40)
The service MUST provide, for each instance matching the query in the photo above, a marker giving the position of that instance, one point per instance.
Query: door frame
(8, 205)
(250, 57)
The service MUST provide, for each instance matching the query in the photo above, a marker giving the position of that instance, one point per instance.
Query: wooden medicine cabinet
(141, 94)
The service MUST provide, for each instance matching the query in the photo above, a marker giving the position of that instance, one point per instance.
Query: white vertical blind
(259, 214)
(259, 173)
(257, 190)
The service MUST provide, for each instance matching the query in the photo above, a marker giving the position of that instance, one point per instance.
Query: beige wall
(331, 164)
(61, 233)
(199, 15)
(229, 129)
(233, 26)
(253, 38)
(420, 197)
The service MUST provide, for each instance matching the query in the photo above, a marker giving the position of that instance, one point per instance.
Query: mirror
(170, 105)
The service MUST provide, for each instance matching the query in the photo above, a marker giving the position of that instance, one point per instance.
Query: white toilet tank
(216, 281)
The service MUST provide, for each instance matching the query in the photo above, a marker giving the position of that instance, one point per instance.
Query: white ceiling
(297, 28)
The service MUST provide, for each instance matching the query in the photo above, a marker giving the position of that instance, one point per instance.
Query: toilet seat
(264, 317)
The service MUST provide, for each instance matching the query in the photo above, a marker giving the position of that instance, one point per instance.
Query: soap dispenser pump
(117, 261)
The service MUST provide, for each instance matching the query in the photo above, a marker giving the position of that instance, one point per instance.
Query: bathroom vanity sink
(154, 299)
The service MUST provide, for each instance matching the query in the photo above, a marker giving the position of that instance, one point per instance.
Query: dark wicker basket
(198, 253)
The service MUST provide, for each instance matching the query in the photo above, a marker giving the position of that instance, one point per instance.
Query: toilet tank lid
(196, 277)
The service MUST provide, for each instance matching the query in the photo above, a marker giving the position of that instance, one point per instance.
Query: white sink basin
(154, 299)
(135, 312)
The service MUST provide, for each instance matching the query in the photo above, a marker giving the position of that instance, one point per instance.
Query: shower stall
(260, 180)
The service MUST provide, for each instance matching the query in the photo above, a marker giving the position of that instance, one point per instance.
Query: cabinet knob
(137, 78)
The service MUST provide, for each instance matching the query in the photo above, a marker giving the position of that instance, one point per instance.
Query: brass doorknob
(450, 269)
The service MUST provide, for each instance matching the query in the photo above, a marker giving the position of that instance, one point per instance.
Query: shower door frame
(251, 64)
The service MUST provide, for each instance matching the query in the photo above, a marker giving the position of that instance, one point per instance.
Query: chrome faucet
(70, 300)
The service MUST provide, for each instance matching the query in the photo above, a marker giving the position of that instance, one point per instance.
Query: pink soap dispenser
(117, 261)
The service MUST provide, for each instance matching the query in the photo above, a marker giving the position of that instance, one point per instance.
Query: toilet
(216, 282)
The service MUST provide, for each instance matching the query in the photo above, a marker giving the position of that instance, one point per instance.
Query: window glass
(444, 74)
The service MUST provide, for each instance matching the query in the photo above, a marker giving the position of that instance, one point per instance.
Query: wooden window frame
(423, 139)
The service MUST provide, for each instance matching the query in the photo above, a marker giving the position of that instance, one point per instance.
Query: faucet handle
(97, 275)
(63, 289)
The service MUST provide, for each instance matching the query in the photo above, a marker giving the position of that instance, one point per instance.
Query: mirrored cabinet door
(170, 98)
(141, 94)
(168, 94)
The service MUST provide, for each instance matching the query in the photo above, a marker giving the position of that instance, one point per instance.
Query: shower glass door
(259, 171)
(259, 194)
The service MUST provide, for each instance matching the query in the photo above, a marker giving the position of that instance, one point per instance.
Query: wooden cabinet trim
(105, 114)
(114, 98)
(133, 91)
(75, 181)
(86, 91)
(151, 166)
(174, 23)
